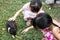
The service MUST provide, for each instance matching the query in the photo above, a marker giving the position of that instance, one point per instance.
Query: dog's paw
(18, 37)
(13, 36)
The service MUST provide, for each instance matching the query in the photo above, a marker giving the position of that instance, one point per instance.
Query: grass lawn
(9, 7)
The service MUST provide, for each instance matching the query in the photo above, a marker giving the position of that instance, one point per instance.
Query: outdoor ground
(9, 7)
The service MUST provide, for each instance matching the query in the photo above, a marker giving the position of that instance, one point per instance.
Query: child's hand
(25, 31)
(12, 18)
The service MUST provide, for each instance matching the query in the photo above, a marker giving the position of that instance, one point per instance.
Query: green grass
(8, 8)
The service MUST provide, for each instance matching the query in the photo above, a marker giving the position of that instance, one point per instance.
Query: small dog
(11, 28)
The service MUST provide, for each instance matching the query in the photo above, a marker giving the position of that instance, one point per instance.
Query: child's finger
(11, 19)
(24, 32)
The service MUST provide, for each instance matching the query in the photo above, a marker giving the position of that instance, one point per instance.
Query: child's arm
(17, 13)
(27, 29)
(56, 32)
(56, 22)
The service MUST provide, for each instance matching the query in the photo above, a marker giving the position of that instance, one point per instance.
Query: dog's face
(11, 27)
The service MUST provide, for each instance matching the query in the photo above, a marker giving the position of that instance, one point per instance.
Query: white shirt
(28, 13)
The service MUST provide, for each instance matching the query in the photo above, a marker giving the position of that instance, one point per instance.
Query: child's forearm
(31, 27)
(27, 29)
(18, 12)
